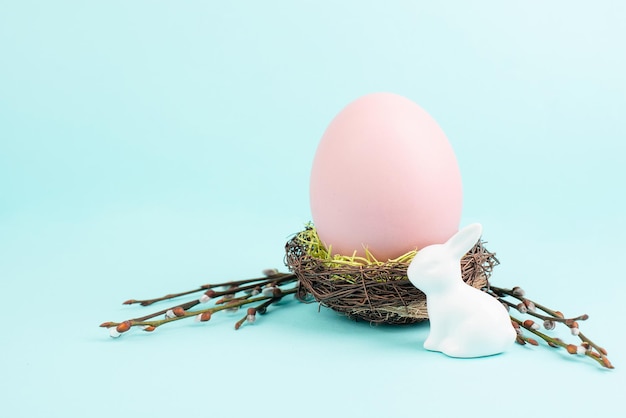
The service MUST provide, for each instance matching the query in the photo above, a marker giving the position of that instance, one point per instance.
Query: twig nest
(368, 289)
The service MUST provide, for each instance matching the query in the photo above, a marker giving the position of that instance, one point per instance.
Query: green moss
(315, 248)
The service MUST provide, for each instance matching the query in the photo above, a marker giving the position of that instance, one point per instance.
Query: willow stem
(185, 306)
(554, 341)
(599, 355)
(234, 286)
(143, 321)
(545, 317)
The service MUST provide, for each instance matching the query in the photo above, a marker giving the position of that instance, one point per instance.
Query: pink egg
(384, 177)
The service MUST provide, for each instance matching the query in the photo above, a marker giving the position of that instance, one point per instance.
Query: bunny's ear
(463, 241)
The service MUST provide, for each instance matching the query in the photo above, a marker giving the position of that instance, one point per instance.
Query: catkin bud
(607, 363)
(270, 272)
(529, 323)
(518, 291)
(530, 306)
(123, 327)
(268, 291)
(203, 317)
(549, 324)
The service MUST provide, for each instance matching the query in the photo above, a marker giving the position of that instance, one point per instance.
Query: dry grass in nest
(368, 289)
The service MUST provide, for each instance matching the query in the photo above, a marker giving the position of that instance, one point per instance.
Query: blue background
(142, 142)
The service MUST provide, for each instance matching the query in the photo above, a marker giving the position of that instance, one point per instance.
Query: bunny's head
(437, 266)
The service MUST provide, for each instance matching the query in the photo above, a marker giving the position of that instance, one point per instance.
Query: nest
(364, 288)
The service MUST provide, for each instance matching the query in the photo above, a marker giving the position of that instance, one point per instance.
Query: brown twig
(271, 275)
(270, 288)
(550, 319)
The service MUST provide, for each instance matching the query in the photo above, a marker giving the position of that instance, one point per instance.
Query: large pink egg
(384, 177)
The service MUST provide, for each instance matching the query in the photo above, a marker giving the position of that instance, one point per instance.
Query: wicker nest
(375, 292)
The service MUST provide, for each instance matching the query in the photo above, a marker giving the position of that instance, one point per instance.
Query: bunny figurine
(464, 321)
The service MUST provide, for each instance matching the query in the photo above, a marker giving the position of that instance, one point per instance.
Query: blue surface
(142, 142)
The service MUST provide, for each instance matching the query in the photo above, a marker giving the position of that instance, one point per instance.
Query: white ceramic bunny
(464, 321)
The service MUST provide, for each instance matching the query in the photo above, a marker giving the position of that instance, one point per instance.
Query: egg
(385, 178)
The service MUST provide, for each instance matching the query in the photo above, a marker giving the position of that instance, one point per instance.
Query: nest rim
(374, 291)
